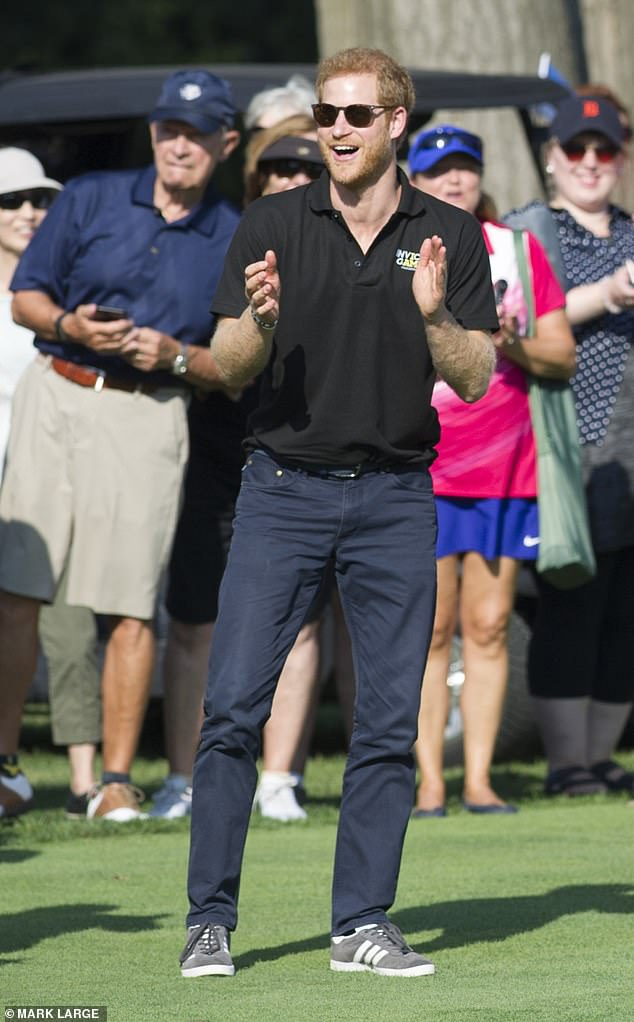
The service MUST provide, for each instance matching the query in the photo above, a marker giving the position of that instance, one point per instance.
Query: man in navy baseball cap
(196, 97)
(434, 144)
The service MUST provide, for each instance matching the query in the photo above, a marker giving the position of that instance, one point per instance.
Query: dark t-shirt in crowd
(217, 426)
(350, 376)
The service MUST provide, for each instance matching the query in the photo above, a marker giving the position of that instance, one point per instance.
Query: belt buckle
(349, 473)
(100, 381)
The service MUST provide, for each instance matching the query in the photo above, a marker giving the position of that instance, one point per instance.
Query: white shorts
(93, 477)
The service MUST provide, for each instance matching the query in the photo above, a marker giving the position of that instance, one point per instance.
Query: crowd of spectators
(123, 461)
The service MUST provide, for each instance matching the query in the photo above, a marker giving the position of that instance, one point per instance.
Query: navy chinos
(380, 528)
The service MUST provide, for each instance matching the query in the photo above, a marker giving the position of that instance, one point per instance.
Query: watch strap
(179, 365)
(60, 333)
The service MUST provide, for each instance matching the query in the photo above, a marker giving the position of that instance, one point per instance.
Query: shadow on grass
(23, 930)
(491, 919)
(13, 855)
(480, 919)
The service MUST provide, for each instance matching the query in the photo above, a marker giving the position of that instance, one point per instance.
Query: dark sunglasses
(604, 151)
(358, 115)
(39, 199)
(289, 168)
(440, 139)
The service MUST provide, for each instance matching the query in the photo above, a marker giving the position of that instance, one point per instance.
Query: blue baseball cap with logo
(430, 146)
(579, 114)
(196, 97)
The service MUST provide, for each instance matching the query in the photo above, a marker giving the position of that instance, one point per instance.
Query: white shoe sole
(417, 970)
(208, 970)
(284, 817)
(121, 816)
(173, 813)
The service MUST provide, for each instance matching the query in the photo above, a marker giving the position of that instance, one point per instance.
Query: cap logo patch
(303, 150)
(590, 108)
(190, 91)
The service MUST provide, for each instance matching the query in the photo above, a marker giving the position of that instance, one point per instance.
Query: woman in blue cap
(484, 480)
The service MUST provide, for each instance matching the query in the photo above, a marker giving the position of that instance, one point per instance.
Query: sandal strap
(613, 775)
(568, 779)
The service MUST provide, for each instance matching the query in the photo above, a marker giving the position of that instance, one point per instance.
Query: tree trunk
(504, 36)
(609, 32)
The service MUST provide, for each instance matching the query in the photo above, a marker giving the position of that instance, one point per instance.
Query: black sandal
(573, 780)
(613, 775)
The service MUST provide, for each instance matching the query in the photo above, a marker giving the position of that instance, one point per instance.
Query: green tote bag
(566, 558)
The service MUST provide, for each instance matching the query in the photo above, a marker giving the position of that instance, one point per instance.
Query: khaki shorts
(94, 476)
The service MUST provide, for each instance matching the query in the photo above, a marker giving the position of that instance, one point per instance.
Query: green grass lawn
(527, 917)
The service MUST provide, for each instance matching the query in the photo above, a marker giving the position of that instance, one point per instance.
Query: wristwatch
(179, 365)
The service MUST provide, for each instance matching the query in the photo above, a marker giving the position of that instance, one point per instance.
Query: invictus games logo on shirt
(407, 260)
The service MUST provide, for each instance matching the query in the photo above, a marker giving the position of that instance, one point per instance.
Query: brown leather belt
(97, 380)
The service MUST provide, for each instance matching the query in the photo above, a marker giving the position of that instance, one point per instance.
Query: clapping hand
(262, 288)
(430, 277)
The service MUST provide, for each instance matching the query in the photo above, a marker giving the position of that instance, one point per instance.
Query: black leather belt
(340, 471)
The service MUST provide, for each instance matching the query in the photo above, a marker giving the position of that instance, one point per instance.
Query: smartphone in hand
(104, 313)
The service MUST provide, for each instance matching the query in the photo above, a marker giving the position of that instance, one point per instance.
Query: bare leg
(487, 593)
(81, 760)
(434, 707)
(127, 675)
(18, 658)
(288, 731)
(184, 678)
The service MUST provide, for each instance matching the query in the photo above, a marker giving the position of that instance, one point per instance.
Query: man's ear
(230, 142)
(398, 122)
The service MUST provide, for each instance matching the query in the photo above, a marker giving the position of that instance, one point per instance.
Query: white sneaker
(16, 794)
(174, 799)
(117, 802)
(276, 797)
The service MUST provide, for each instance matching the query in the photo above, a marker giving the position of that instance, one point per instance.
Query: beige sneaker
(118, 802)
(16, 794)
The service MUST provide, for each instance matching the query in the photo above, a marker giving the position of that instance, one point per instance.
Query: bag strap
(519, 242)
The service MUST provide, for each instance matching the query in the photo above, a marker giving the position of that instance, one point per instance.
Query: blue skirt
(491, 527)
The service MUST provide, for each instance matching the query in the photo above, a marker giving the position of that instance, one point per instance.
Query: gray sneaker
(380, 948)
(206, 952)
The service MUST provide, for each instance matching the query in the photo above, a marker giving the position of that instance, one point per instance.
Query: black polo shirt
(350, 377)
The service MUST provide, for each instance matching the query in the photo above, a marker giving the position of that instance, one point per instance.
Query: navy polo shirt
(103, 241)
(350, 378)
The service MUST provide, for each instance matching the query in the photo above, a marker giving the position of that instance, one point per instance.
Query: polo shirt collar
(411, 203)
(202, 218)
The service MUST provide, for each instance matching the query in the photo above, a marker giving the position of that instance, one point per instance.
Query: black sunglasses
(358, 115)
(604, 151)
(290, 167)
(39, 199)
